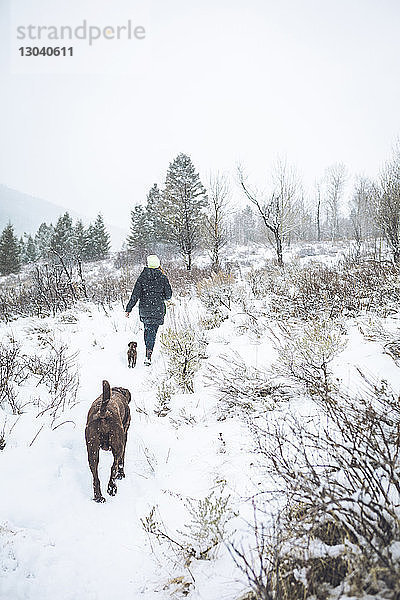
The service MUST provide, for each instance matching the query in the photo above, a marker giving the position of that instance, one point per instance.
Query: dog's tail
(106, 397)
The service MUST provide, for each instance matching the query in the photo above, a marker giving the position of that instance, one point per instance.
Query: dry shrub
(47, 289)
(339, 480)
(261, 281)
(44, 289)
(17, 298)
(105, 288)
(183, 281)
(346, 289)
(306, 354)
(244, 389)
(217, 294)
(56, 370)
(366, 287)
(164, 395)
(12, 374)
(184, 353)
(205, 527)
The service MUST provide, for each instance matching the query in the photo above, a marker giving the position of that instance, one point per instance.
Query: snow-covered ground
(55, 542)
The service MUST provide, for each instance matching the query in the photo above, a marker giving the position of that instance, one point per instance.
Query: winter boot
(147, 360)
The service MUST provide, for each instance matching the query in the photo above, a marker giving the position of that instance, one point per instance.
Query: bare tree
(361, 214)
(215, 223)
(335, 178)
(387, 203)
(318, 216)
(279, 212)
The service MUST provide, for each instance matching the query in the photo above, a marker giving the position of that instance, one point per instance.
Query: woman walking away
(152, 288)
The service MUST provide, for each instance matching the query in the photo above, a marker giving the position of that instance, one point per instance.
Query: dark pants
(150, 332)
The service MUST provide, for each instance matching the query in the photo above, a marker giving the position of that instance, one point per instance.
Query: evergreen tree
(97, 240)
(21, 247)
(101, 238)
(62, 238)
(90, 247)
(140, 229)
(10, 261)
(80, 241)
(43, 239)
(155, 225)
(148, 228)
(182, 211)
(28, 251)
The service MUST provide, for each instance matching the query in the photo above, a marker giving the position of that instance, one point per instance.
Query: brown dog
(107, 428)
(132, 354)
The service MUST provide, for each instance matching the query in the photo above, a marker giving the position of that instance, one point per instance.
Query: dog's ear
(134, 344)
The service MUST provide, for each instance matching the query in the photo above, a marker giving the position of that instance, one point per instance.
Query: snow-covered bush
(339, 483)
(344, 289)
(211, 321)
(251, 317)
(164, 394)
(184, 417)
(183, 281)
(205, 528)
(261, 281)
(12, 374)
(244, 389)
(57, 371)
(106, 286)
(306, 353)
(42, 290)
(184, 353)
(57, 286)
(47, 289)
(280, 566)
(17, 298)
(217, 294)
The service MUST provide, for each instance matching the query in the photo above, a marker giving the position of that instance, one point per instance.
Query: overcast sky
(226, 81)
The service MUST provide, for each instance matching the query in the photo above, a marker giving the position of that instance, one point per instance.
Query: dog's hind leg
(121, 472)
(93, 447)
(116, 448)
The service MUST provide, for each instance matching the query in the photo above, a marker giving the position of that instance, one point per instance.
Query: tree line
(186, 216)
(66, 240)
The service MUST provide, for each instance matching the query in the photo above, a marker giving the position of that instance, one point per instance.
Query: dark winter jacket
(151, 289)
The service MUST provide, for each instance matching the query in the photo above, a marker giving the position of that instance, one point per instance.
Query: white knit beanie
(153, 262)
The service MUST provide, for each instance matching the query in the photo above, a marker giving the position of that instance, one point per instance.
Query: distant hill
(26, 213)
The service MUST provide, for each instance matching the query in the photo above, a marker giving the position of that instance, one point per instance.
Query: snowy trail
(78, 549)
(58, 543)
